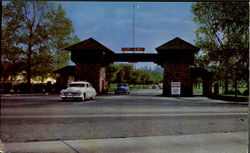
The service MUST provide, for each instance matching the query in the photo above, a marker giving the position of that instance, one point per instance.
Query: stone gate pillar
(176, 56)
(91, 59)
(177, 72)
(207, 85)
(93, 73)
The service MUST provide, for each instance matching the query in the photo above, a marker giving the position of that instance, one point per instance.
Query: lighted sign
(133, 49)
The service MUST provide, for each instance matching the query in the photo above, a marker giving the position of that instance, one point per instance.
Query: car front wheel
(84, 97)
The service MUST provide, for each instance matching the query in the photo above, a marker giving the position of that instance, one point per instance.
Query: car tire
(84, 97)
(63, 99)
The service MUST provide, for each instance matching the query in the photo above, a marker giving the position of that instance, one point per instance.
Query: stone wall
(207, 86)
(103, 84)
(177, 72)
(93, 73)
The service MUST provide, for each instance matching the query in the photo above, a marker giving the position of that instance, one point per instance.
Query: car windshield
(76, 85)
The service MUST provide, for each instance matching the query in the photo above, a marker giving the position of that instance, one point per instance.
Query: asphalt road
(142, 113)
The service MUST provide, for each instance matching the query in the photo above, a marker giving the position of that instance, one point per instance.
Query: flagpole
(133, 26)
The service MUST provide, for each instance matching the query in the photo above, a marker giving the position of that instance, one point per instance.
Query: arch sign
(133, 49)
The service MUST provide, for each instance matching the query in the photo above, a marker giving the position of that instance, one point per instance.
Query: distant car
(122, 88)
(80, 90)
(160, 85)
(155, 87)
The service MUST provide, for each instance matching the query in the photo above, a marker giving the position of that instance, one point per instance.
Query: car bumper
(121, 91)
(70, 97)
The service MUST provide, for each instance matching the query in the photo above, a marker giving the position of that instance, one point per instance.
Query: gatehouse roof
(88, 44)
(70, 69)
(177, 44)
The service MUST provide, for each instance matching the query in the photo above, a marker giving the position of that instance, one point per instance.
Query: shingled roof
(88, 44)
(70, 69)
(178, 44)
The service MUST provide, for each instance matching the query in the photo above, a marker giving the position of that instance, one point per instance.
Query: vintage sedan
(122, 88)
(80, 90)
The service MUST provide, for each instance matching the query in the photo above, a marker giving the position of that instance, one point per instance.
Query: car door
(84, 88)
(92, 90)
(88, 94)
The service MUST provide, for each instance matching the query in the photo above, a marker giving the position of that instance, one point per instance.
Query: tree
(111, 73)
(158, 69)
(29, 32)
(117, 73)
(136, 78)
(62, 36)
(156, 77)
(127, 72)
(223, 36)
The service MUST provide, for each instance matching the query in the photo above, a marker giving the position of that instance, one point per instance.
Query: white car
(78, 90)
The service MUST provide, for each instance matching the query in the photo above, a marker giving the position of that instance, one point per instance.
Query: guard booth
(91, 59)
(176, 56)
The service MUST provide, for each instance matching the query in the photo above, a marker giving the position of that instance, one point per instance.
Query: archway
(200, 76)
(198, 86)
(175, 56)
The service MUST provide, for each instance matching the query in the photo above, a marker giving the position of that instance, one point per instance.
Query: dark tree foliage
(117, 73)
(34, 33)
(223, 36)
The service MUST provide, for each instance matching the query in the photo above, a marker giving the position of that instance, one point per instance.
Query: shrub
(246, 92)
(37, 88)
(232, 92)
(7, 87)
(48, 87)
(23, 88)
(16, 88)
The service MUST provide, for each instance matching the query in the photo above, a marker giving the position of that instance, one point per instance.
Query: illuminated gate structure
(176, 57)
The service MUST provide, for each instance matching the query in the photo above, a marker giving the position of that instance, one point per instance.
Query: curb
(222, 142)
(21, 95)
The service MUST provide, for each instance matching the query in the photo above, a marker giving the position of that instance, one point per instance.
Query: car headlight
(62, 92)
